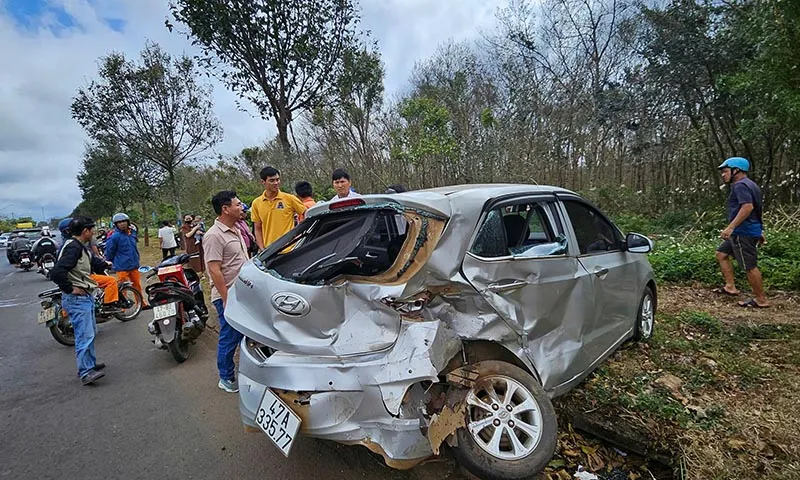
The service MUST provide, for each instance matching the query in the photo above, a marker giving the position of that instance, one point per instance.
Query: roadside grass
(715, 389)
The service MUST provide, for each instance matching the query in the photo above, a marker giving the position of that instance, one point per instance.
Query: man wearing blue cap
(744, 232)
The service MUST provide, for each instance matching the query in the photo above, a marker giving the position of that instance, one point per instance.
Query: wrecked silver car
(451, 315)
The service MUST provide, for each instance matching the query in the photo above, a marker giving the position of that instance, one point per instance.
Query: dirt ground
(714, 393)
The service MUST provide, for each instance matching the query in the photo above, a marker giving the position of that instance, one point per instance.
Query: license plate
(46, 315)
(25, 260)
(278, 421)
(49, 264)
(165, 311)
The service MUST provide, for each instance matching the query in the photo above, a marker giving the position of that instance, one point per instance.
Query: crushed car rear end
(322, 311)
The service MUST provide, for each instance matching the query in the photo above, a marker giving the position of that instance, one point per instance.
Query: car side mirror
(638, 243)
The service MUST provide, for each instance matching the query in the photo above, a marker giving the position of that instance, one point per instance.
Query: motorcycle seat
(51, 292)
(177, 260)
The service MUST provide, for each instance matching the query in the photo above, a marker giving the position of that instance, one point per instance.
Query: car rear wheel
(511, 424)
(645, 318)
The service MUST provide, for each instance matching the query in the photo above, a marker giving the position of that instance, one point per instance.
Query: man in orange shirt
(273, 212)
(305, 193)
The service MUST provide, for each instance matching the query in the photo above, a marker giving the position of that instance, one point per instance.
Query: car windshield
(363, 242)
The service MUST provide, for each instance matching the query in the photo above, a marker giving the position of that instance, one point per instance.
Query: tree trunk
(146, 224)
(282, 122)
(173, 185)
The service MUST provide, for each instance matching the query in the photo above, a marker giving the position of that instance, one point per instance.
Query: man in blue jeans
(72, 275)
(225, 253)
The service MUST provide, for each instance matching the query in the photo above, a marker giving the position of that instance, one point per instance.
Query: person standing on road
(225, 254)
(122, 252)
(744, 232)
(166, 236)
(72, 275)
(273, 212)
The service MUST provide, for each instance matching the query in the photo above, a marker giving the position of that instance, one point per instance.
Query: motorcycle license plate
(25, 260)
(278, 421)
(165, 311)
(46, 315)
(49, 264)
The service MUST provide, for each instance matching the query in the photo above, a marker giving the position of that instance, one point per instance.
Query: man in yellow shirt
(273, 212)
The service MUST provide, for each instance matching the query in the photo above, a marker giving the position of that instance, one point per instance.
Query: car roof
(489, 190)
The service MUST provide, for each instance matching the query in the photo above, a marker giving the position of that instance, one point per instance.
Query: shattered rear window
(362, 242)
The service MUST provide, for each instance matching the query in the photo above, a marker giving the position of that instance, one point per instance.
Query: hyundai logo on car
(290, 304)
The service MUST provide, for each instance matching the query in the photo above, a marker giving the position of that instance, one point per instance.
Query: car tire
(536, 441)
(645, 316)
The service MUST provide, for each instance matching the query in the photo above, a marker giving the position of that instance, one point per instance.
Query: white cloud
(45, 64)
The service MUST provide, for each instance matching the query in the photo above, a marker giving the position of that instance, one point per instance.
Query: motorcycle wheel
(178, 347)
(63, 332)
(132, 295)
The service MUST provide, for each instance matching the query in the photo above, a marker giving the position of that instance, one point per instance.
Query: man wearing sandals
(744, 232)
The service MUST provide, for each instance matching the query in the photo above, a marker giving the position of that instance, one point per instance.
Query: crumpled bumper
(354, 400)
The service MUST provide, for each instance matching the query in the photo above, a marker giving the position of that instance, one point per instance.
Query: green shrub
(694, 261)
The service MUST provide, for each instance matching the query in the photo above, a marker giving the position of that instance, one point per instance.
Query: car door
(612, 270)
(521, 264)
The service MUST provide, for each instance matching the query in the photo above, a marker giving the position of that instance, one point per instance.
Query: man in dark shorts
(744, 232)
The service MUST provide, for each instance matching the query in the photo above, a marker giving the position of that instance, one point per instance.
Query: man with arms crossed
(273, 212)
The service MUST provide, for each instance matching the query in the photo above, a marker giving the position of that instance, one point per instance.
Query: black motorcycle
(179, 308)
(46, 263)
(25, 261)
(55, 318)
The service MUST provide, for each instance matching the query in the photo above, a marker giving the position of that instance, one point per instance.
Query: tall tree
(154, 109)
(114, 179)
(283, 55)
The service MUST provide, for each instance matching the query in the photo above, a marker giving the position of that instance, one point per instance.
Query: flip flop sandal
(752, 304)
(722, 291)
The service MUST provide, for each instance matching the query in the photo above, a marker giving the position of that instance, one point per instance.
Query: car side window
(593, 232)
(490, 242)
(522, 229)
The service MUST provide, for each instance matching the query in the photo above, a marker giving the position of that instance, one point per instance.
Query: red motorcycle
(179, 307)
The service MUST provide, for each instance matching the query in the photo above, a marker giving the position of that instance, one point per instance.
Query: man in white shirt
(166, 236)
(342, 184)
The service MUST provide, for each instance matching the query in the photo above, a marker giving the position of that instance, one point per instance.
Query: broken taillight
(354, 202)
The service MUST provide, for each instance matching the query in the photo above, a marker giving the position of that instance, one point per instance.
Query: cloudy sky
(49, 48)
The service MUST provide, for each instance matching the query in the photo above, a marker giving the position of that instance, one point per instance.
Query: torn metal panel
(421, 352)
(446, 423)
(463, 377)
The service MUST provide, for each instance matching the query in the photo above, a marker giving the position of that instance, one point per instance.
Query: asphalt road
(148, 418)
